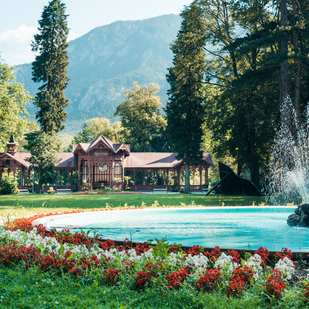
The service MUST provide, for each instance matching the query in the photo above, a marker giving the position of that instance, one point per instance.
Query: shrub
(8, 186)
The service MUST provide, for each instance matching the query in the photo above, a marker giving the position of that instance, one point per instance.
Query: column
(29, 176)
(201, 176)
(21, 169)
(193, 175)
(122, 175)
(79, 162)
(133, 177)
(178, 176)
(206, 175)
(68, 175)
(164, 177)
(89, 179)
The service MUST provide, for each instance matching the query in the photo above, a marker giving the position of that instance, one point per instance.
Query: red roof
(157, 160)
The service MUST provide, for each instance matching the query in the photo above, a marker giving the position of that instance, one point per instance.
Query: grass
(23, 204)
(30, 288)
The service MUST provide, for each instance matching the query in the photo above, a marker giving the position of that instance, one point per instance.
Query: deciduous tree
(13, 99)
(141, 118)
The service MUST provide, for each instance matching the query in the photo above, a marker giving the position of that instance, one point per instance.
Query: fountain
(288, 179)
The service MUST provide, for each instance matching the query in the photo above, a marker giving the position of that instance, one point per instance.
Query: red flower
(274, 285)
(177, 278)
(208, 282)
(110, 275)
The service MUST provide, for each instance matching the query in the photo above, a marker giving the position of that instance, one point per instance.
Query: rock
(300, 217)
(293, 220)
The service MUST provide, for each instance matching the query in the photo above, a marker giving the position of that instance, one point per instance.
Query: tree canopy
(247, 72)
(49, 67)
(185, 108)
(43, 148)
(13, 99)
(141, 119)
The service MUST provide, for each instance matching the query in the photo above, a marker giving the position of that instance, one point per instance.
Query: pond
(226, 227)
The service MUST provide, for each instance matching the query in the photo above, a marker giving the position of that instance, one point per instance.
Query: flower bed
(144, 265)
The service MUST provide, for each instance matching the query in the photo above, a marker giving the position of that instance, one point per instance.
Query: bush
(8, 186)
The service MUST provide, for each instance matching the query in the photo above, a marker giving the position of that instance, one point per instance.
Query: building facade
(103, 163)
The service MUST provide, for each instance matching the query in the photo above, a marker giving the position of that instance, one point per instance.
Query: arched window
(117, 173)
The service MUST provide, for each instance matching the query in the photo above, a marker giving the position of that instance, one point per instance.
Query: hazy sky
(19, 20)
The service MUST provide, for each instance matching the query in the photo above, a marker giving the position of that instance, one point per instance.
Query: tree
(13, 99)
(101, 126)
(43, 148)
(49, 67)
(185, 107)
(244, 60)
(141, 119)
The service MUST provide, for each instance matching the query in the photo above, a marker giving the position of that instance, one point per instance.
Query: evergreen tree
(49, 67)
(185, 108)
(43, 148)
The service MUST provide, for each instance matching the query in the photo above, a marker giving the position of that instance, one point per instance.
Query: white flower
(224, 262)
(286, 267)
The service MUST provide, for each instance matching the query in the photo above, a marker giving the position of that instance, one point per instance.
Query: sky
(19, 20)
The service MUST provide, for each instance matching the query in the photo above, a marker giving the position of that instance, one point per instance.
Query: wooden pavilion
(102, 163)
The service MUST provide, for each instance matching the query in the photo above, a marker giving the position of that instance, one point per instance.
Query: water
(228, 227)
(288, 176)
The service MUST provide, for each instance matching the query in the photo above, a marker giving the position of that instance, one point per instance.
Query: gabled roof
(19, 157)
(67, 160)
(86, 147)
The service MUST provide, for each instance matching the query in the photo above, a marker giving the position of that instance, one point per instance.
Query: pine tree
(49, 67)
(185, 110)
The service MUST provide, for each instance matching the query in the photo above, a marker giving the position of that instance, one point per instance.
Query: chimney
(11, 146)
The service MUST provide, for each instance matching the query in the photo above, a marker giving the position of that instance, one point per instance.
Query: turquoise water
(228, 227)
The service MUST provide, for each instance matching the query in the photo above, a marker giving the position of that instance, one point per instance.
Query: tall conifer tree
(49, 67)
(185, 110)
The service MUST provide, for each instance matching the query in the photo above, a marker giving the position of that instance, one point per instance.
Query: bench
(63, 191)
(158, 190)
(23, 191)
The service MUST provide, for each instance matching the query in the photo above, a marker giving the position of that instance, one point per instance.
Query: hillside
(104, 63)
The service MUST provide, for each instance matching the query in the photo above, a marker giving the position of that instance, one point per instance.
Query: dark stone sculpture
(300, 217)
(234, 184)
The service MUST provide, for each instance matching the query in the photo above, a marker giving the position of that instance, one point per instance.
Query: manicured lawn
(28, 289)
(22, 204)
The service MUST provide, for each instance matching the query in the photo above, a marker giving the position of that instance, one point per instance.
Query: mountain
(106, 61)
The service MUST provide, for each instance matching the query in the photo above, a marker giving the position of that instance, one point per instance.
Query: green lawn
(23, 204)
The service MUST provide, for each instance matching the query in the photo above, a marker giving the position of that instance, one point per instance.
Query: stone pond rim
(300, 217)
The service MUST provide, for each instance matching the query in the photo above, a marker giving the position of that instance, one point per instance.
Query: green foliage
(13, 99)
(49, 67)
(8, 186)
(43, 148)
(101, 126)
(143, 125)
(185, 108)
(242, 69)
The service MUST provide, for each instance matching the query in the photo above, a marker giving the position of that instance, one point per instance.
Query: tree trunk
(187, 182)
(39, 185)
